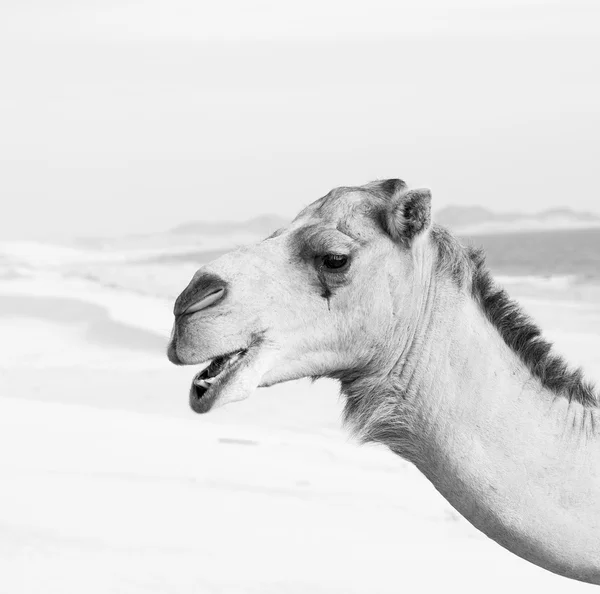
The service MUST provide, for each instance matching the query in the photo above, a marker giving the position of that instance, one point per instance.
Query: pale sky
(131, 116)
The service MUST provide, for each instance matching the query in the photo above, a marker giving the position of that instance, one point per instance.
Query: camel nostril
(203, 291)
(206, 301)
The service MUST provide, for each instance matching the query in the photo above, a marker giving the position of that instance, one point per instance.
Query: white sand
(106, 501)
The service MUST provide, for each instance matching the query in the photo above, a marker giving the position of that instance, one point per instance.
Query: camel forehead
(348, 209)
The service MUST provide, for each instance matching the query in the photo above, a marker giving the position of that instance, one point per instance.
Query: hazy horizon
(135, 118)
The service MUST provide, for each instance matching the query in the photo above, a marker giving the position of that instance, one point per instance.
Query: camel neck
(520, 463)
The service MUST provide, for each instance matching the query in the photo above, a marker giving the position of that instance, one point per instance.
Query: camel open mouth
(213, 378)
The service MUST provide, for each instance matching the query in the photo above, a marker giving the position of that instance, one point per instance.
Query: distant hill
(461, 219)
(207, 236)
(263, 225)
(476, 220)
(193, 237)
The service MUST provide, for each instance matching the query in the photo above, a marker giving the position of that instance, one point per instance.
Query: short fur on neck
(377, 412)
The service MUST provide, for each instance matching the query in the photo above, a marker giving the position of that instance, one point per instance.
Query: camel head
(318, 298)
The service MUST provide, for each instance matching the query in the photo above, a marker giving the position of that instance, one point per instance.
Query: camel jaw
(226, 378)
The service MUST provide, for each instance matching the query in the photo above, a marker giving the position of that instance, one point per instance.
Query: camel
(434, 361)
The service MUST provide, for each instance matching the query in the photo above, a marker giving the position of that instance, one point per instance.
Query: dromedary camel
(433, 359)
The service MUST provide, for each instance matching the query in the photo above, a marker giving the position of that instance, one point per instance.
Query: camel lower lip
(209, 380)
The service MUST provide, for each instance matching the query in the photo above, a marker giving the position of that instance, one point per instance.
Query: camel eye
(335, 262)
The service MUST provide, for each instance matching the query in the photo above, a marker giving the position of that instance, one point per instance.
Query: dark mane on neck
(519, 332)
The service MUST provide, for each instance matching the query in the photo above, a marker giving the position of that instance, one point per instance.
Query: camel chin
(228, 378)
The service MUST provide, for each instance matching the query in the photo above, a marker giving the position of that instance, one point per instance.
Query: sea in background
(549, 254)
(108, 483)
(561, 259)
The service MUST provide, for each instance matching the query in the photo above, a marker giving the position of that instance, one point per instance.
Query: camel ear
(408, 214)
